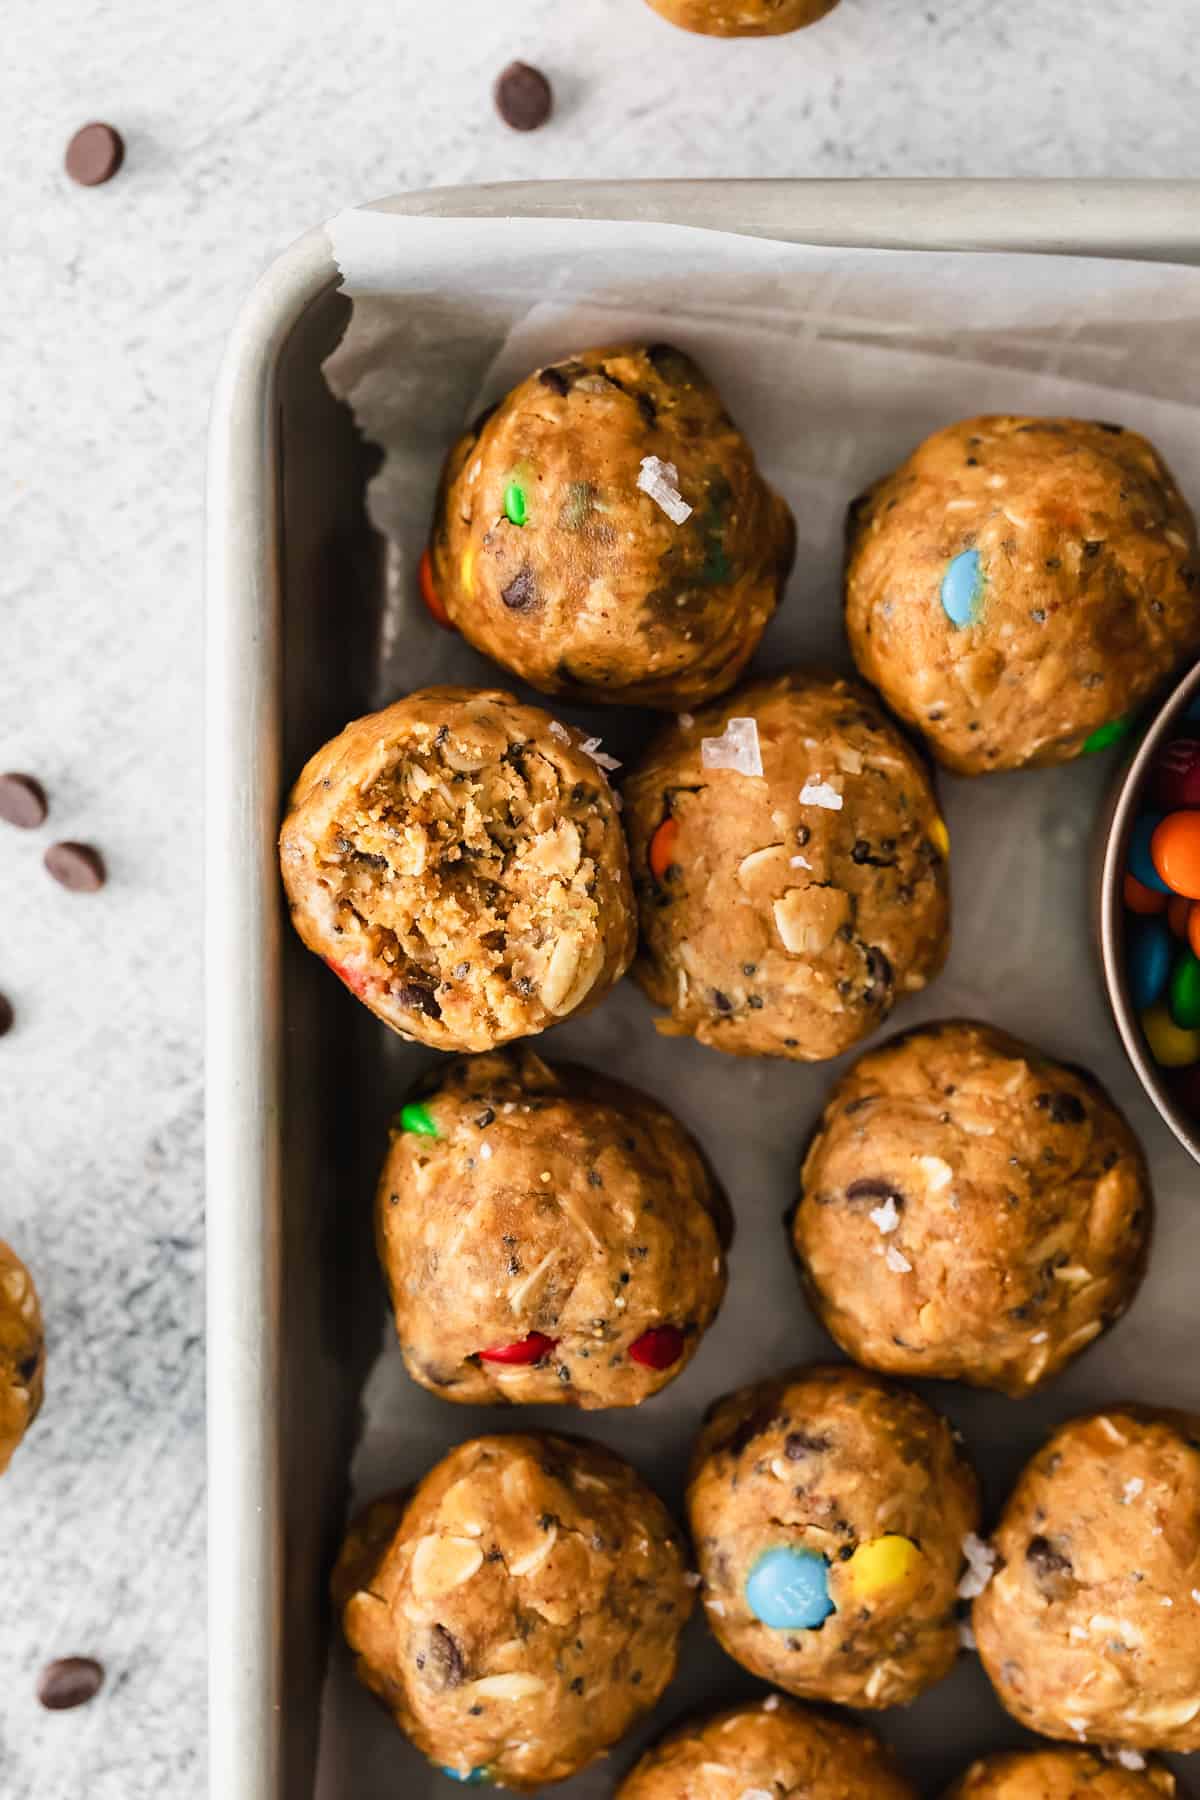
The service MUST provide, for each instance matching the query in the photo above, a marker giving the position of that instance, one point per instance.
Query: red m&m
(526, 1350)
(657, 1348)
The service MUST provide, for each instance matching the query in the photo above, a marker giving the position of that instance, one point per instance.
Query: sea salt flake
(799, 862)
(1078, 1726)
(817, 792)
(895, 1259)
(1128, 1759)
(485, 1153)
(686, 721)
(885, 1218)
(660, 480)
(966, 1636)
(692, 1579)
(771, 1703)
(1039, 1337)
(1132, 1489)
(981, 1566)
(715, 1606)
(737, 748)
(559, 731)
(755, 1794)
(591, 747)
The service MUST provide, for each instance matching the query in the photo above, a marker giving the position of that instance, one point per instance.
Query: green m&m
(515, 510)
(415, 1117)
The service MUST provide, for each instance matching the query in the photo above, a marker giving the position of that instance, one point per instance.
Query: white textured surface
(245, 123)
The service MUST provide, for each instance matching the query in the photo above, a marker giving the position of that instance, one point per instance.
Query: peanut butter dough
(548, 1236)
(1090, 1628)
(828, 1510)
(971, 1210)
(458, 861)
(550, 555)
(521, 1611)
(1019, 586)
(784, 912)
(770, 1750)
(22, 1353)
(1061, 1775)
(743, 18)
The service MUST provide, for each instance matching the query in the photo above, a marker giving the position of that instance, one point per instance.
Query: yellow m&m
(882, 1565)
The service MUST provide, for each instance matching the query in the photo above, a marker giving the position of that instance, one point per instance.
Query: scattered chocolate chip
(524, 98)
(799, 1444)
(555, 380)
(721, 1001)
(485, 1118)
(873, 1187)
(22, 801)
(880, 978)
(1045, 1560)
(419, 998)
(69, 1681)
(1064, 1109)
(28, 1368)
(521, 592)
(94, 155)
(648, 410)
(1117, 430)
(445, 1658)
(6, 1015)
(76, 866)
(1092, 548)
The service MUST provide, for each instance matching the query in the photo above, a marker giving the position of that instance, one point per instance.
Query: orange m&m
(430, 595)
(1175, 852)
(662, 848)
(1179, 912)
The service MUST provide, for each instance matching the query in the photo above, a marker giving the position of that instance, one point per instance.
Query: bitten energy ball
(790, 864)
(829, 1512)
(22, 1353)
(1091, 1627)
(1062, 1775)
(743, 18)
(521, 1611)
(604, 532)
(1018, 586)
(970, 1209)
(548, 1235)
(458, 861)
(771, 1748)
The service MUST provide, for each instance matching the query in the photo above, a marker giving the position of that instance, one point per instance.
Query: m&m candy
(1171, 1045)
(1141, 862)
(883, 1566)
(1175, 853)
(1183, 994)
(962, 588)
(1149, 958)
(788, 1589)
(658, 1347)
(1179, 913)
(1142, 900)
(1175, 777)
(526, 1351)
(417, 1118)
(430, 595)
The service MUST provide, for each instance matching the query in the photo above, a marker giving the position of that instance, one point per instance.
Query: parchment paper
(835, 363)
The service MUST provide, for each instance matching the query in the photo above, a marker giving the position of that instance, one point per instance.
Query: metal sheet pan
(294, 578)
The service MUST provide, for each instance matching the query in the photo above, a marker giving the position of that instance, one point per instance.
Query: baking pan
(293, 583)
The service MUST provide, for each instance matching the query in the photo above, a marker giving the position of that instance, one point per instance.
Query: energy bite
(22, 1353)
(1091, 1627)
(791, 870)
(1019, 585)
(458, 862)
(743, 18)
(769, 1748)
(1061, 1775)
(521, 1611)
(604, 532)
(971, 1210)
(829, 1512)
(548, 1236)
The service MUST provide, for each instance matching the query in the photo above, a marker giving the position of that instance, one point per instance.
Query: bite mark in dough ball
(1090, 1629)
(1063, 1775)
(521, 1611)
(604, 532)
(22, 1353)
(549, 1236)
(743, 18)
(771, 1747)
(458, 861)
(971, 1210)
(829, 1510)
(1019, 586)
(783, 913)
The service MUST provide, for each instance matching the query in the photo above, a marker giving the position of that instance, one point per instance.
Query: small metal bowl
(1115, 825)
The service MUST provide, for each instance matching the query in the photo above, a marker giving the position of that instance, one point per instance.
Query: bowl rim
(1125, 810)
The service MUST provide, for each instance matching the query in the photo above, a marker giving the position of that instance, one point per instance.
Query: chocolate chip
(70, 1681)
(419, 999)
(752, 1426)
(445, 1658)
(1116, 430)
(873, 1187)
(6, 1015)
(76, 866)
(22, 801)
(1092, 549)
(879, 971)
(648, 410)
(28, 1368)
(555, 380)
(94, 155)
(524, 98)
(521, 593)
(721, 1001)
(1064, 1109)
(799, 1444)
(1045, 1560)
(485, 1118)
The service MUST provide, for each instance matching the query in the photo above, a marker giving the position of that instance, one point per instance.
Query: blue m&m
(1150, 955)
(1141, 863)
(962, 588)
(469, 1777)
(788, 1589)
